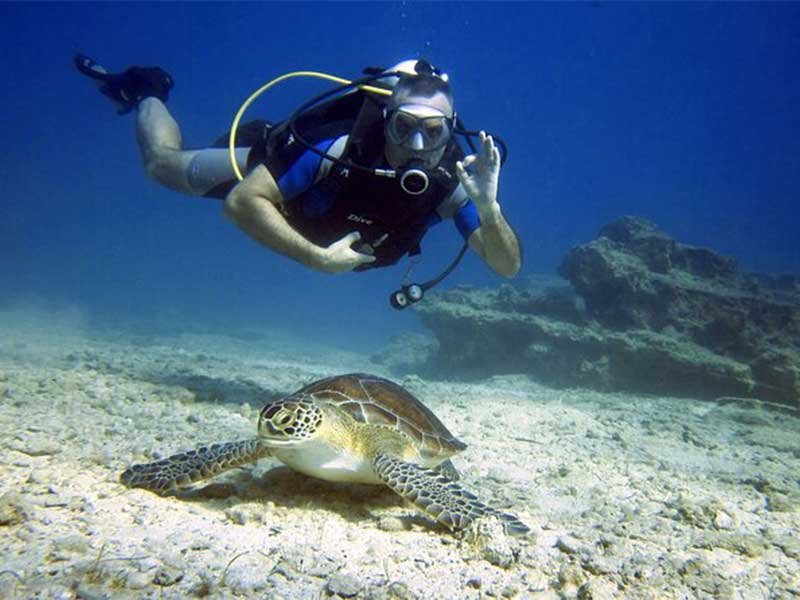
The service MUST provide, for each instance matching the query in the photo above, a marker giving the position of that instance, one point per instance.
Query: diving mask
(418, 127)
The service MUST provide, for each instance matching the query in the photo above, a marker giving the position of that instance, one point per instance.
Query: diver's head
(419, 120)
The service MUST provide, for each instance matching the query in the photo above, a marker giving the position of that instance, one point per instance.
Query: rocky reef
(636, 311)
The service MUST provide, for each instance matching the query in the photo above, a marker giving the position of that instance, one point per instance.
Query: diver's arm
(494, 240)
(253, 206)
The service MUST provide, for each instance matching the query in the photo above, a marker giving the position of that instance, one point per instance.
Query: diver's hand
(340, 257)
(481, 184)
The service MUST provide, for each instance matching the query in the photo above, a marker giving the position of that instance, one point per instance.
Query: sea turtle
(356, 428)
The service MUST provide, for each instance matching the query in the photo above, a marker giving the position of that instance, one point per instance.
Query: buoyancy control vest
(391, 221)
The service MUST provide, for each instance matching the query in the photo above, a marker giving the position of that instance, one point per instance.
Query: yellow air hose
(265, 87)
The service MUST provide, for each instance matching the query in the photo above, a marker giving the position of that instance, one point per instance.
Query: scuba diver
(348, 183)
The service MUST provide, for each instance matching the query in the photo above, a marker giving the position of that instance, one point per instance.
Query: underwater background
(638, 415)
(684, 114)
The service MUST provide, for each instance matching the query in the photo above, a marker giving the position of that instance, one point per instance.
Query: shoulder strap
(366, 141)
(329, 120)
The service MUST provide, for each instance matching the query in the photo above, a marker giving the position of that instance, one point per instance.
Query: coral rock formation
(643, 312)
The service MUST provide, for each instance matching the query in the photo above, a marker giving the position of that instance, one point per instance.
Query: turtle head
(289, 420)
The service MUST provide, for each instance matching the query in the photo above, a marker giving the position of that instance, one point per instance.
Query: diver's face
(417, 128)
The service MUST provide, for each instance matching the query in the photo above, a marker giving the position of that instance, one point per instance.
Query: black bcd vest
(391, 221)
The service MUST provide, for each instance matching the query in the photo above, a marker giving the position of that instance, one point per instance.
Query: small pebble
(108, 457)
(723, 520)
(498, 475)
(391, 524)
(137, 581)
(600, 565)
(13, 509)
(74, 543)
(344, 584)
(595, 589)
(39, 476)
(570, 577)
(567, 545)
(9, 584)
(789, 544)
(201, 544)
(167, 576)
(509, 591)
(399, 591)
(779, 503)
(86, 592)
(39, 447)
(488, 537)
(237, 516)
(544, 595)
(537, 580)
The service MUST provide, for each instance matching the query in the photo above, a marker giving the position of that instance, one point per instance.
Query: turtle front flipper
(439, 496)
(185, 468)
(448, 469)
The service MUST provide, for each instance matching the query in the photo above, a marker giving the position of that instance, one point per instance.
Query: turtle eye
(282, 419)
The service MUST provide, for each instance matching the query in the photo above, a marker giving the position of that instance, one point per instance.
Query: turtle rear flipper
(439, 496)
(183, 469)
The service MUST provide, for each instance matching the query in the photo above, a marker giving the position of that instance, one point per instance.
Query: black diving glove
(130, 87)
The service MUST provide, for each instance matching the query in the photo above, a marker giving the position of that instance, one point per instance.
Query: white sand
(626, 496)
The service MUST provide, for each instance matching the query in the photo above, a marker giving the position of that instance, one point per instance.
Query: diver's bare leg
(161, 146)
(193, 172)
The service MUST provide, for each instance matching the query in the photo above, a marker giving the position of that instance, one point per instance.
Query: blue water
(686, 114)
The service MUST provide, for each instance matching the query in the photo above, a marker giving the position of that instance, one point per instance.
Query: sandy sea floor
(626, 496)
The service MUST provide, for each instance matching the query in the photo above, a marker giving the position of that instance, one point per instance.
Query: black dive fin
(130, 87)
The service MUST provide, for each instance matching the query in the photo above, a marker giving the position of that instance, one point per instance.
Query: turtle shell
(378, 401)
